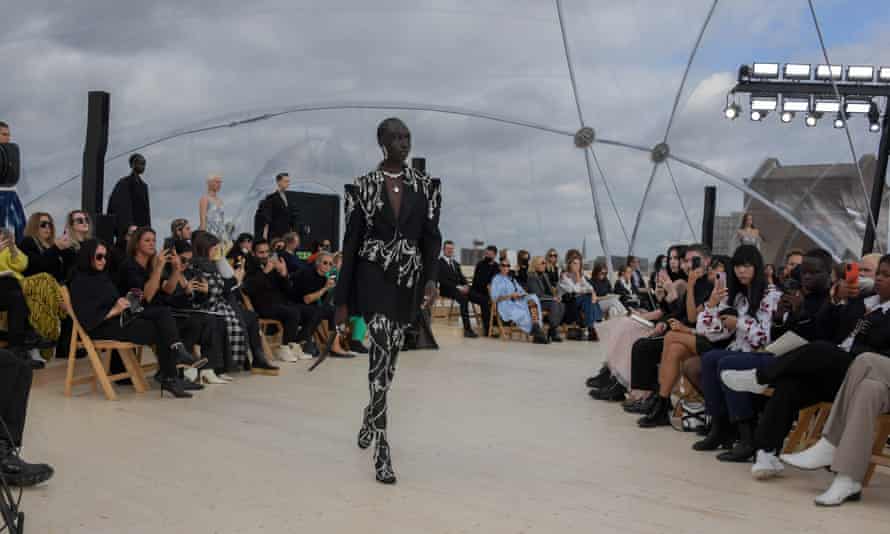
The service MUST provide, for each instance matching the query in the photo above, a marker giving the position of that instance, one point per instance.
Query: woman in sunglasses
(98, 305)
(514, 303)
(551, 268)
(44, 251)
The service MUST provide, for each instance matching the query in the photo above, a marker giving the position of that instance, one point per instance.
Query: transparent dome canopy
(247, 92)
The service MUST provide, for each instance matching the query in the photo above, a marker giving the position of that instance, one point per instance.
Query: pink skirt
(619, 335)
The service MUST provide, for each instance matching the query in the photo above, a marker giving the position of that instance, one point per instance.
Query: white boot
(284, 354)
(843, 488)
(208, 376)
(745, 380)
(766, 466)
(819, 455)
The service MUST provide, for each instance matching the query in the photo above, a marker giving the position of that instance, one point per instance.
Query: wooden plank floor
(487, 437)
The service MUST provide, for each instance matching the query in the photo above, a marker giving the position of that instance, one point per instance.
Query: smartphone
(720, 278)
(168, 243)
(696, 262)
(852, 274)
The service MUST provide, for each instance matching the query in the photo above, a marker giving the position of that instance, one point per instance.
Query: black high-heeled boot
(722, 435)
(659, 415)
(744, 449)
(601, 379)
(365, 436)
(383, 462)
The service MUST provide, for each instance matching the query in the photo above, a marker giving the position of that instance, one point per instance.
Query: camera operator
(15, 385)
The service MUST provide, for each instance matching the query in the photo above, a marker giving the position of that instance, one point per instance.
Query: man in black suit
(129, 199)
(483, 274)
(390, 251)
(273, 216)
(453, 284)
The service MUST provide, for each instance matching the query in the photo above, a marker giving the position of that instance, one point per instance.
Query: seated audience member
(241, 250)
(634, 351)
(223, 299)
(99, 306)
(522, 263)
(16, 376)
(682, 342)
(32, 303)
(267, 285)
(483, 274)
(180, 229)
(453, 285)
(802, 309)
(514, 304)
(580, 300)
(599, 280)
(793, 258)
(289, 254)
(540, 286)
(675, 262)
(625, 290)
(314, 287)
(181, 291)
(639, 284)
(848, 436)
(318, 246)
(815, 372)
(770, 270)
(44, 251)
(659, 265)
(552, 268)
(78, 228)
(868, 267)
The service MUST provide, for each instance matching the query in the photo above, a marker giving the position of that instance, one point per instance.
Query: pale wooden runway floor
(487, 437)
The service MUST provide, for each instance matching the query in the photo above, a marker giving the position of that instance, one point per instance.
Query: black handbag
(419, 334)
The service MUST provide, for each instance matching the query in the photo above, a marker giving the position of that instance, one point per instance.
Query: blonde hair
(33, 226)
(537, 260)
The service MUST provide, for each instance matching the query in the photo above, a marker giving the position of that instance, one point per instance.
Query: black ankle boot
(383, 462)
(174, 386)
(601, 379)
(722, 435)
(553, 334)
(612, 392)
(659, 415)
(744, 449)
(19, 473)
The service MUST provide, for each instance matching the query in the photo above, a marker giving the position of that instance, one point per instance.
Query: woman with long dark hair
(742, 312)
(98, 306)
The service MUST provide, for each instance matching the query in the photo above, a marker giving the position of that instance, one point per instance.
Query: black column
(877, 188)
(707, 219)
(96, 144)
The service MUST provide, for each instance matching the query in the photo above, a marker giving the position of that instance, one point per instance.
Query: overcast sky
(171, 65)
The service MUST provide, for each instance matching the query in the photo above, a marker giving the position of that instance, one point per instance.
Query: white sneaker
(766, 466)
(225, 378)
(745, 380)
(819, 455)
(284, 354)
(190, 374)
(297, 350)
(208, 376)
(842, 489)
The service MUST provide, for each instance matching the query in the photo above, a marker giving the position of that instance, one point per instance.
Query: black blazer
(539, 284)
(129, 204)
(387, 261)
(275, 215)
(450, 278)
(483, 274)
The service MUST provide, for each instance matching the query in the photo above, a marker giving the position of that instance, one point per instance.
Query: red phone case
(853, 274)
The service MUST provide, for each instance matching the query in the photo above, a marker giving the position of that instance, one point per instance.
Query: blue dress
(514, 310)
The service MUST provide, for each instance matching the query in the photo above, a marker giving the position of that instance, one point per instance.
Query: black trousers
(208, 332)
(645, 357)
(15, 386)
(154, 326)
(12, 301)
(484, 302)
(811, 374)
(299, 320)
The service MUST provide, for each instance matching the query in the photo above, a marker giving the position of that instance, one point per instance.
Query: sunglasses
(327, 263)
(46, 224)
(100, 257)
(79, 220)
(507, 265)
(551, 255)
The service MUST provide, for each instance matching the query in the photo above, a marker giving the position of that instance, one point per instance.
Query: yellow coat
(16, 265)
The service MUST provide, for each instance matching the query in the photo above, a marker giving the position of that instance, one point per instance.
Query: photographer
(314, 288)
(15, 386)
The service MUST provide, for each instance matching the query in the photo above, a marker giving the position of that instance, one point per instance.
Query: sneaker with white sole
(819, 455)
(745, 380)
(284, 354)
(766, 466)
(297, 350)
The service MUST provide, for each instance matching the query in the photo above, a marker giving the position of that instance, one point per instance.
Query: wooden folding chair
(810, 422)
(879, 454)
(505, 329)
(269, 341)
(99, 357)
